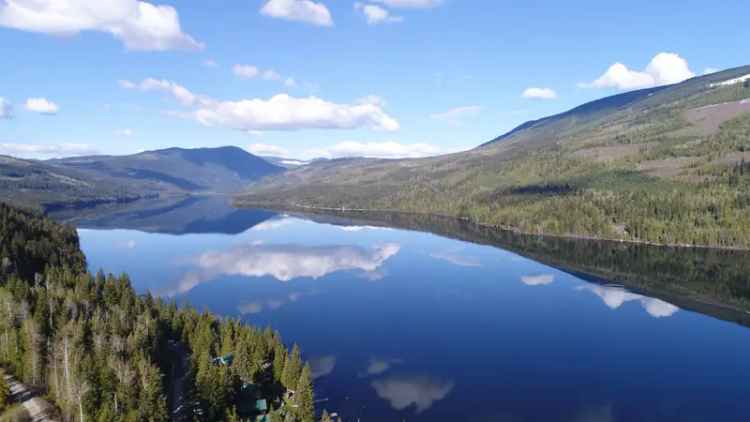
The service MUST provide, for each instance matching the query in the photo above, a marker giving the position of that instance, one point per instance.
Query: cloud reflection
(457, 259)
(270, 304)
(284, 262)
(614, 297)
(377, 366)
(322, 366)
(421, 391)
(538, 280)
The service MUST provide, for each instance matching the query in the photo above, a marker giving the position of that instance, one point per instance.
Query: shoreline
(516, 230)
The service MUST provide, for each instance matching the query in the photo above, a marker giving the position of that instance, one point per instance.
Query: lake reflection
(402, 325)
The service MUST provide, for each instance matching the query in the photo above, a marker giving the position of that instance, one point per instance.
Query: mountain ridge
(108, 178)
(664, 165)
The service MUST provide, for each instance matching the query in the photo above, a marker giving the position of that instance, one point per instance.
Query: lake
(417, 319)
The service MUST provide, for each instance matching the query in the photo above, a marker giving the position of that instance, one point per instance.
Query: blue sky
(305, 78)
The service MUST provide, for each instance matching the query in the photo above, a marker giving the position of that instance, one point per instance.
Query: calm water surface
(409, 326)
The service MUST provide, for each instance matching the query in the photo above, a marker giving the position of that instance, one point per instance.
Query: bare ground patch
(708, 119)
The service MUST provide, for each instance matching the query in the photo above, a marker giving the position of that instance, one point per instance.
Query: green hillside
(87, 181)
(666, 165)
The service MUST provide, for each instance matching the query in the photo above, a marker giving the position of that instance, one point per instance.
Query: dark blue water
(409, 326)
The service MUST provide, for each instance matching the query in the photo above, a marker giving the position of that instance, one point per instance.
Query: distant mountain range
(665, 165)
(96, 179)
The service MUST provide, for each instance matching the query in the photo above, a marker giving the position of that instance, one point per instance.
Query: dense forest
(667, 165)
(104, 353)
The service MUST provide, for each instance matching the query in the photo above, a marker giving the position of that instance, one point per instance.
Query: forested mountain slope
(103, 353)
(665, 165)
(84, 181)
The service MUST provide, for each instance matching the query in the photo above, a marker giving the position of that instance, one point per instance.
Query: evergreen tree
(304, 397)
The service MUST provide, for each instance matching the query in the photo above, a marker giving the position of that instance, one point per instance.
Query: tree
(305, 398)
(4, 392)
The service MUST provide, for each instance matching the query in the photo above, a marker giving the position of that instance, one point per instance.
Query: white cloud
(306, 11)
(179, 92)
(6, 109)
(710, 70)
(250, 72)
(47, 150)
(388, 149)
(280, 112)
(456, 116)
(410, 4)
(372, 99)
(138, 24)
(271, 75)
(538, 280)
(284, 262)
(539, 93)
(124, 132)
(375, 14)
(41, 105)
(209, 63)
(664, 69)
(421, 392)
(267, 150)
(283, 112)
(614, 297)
(245, 71)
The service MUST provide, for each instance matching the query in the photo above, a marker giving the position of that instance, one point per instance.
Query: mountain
(665, 165)
(97, 179)
(225, 169)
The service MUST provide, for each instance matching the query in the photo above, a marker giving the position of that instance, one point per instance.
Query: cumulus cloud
(456, 116)
(614, 297)
(388, 149)
(421, 391)
(306, 11)
(138, 24)
(664, 69)
(539, 93)
(6, 109)
(42, 105)
(47, 150)
(410, 4)
(284, 262)
(375, 14)
(538, 280)
(281, 112)
(267, 150)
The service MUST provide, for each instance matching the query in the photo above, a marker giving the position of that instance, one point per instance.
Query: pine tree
(304, 397)
(4, 392)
